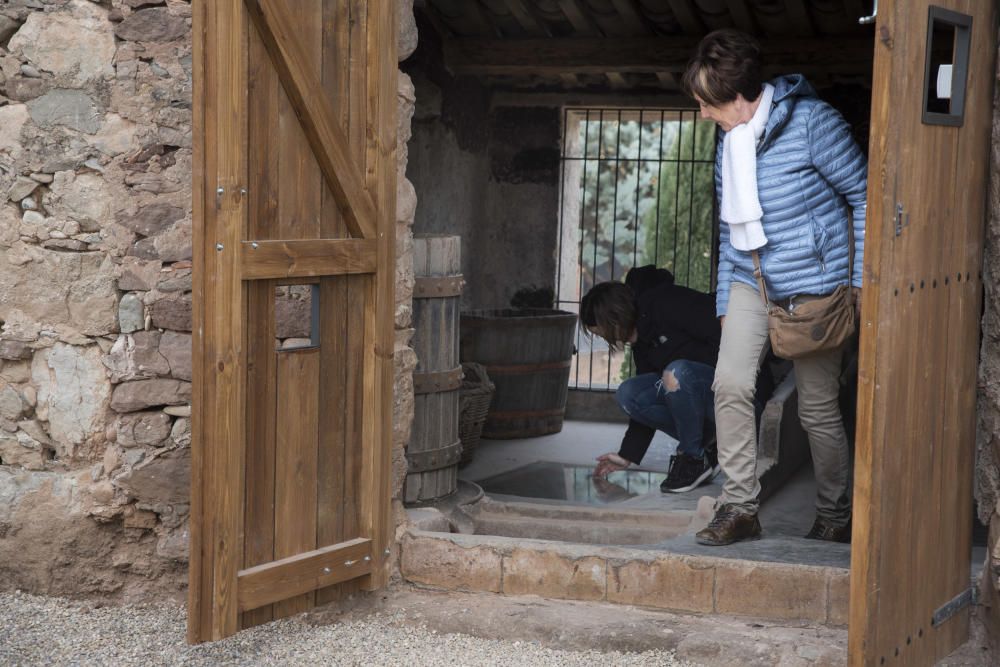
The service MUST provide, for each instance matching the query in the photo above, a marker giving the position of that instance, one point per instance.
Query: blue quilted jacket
(811, 181)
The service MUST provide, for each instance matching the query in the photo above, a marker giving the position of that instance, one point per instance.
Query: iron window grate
(637, 187)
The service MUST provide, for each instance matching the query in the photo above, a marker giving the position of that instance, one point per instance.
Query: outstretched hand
(609, 463)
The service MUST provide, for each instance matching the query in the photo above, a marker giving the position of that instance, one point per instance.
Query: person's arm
(633, 448)
(838, 158)
(725, 272)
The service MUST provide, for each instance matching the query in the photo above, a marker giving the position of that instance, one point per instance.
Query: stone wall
(988, 437)
(95, 293)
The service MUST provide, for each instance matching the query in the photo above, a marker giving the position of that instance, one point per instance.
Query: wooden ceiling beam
(557, 56)
(742, 18)
(580, 19)
(687, 16)
(798, 16)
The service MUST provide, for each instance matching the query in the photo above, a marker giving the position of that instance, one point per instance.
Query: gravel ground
(50, 631)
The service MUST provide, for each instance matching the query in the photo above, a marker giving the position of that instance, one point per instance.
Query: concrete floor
(785, 517)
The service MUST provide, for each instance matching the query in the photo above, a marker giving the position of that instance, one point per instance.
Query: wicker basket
(474, 402)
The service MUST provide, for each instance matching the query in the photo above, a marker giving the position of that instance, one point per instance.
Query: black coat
(673, 323)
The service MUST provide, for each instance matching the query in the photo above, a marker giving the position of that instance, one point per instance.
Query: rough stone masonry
(95, 294)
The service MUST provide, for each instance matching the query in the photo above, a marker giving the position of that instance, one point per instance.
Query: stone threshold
(623, 575)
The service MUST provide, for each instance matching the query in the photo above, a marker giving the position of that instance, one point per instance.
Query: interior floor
(511, 466)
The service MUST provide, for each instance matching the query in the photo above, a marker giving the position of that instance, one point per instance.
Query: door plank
(295, 462)
(327, 139)
(261, 438)
(306, 258)
(304, 572)
(218, 501)
(375, 490)
(199, 622)
(263, 198)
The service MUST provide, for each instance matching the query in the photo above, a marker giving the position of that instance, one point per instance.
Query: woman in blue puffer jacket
(791, 182)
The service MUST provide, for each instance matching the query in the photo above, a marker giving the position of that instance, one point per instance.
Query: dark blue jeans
(681, 414)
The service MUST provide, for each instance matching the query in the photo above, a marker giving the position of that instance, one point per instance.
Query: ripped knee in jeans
(670, 382)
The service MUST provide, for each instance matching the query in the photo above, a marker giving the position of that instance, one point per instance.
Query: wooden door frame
(219, 341)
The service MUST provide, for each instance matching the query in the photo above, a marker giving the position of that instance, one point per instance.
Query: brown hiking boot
(821, 530)
(729, 525)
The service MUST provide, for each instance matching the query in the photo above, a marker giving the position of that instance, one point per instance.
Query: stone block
(139, 274)
(78, 44)
(173, 313)
(152, 25)
(143, 428)
(159, 480)
(131, 314)
(840, 598)
(767, 590)
(141, 394)
(80, 289)
(176, 348)
(553, 575)
(73, 392)
(442, 563)
(11, 404)
(151, 220)
(665, 583)
(141, 519)
(70, 108)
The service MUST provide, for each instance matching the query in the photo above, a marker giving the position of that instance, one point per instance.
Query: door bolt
(219, 247)
(254, 245)
(349, 563)
(367, 558)
(326, 570)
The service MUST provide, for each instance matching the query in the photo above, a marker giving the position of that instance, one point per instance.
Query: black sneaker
(687, 472)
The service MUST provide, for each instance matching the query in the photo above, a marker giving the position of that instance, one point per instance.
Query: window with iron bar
(637, 188)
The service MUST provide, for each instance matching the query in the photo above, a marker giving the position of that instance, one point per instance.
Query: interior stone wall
(95, 294)
(487, 169)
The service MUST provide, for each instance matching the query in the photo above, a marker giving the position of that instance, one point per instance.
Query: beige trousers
(744, 344)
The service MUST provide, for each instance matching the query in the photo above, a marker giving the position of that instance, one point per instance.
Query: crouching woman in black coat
(674, 337)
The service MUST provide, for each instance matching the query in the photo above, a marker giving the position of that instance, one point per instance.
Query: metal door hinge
(901, 219)
(953, 606)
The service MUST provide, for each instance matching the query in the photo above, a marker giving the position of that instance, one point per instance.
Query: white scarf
(740, 207)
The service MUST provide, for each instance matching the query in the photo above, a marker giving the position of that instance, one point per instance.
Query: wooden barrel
(527, 353)
(435, 449)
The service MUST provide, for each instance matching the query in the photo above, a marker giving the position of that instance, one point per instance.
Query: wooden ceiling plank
(687, 16)
(798, 17)
(580, 19)
(742, 18)
(526, 18)
(481, 16)
(632, 16)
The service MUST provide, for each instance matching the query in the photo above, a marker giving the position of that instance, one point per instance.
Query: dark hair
(725, 64)
(610, 307)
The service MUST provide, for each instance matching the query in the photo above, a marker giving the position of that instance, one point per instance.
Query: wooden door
(294, 195)
(910, 570)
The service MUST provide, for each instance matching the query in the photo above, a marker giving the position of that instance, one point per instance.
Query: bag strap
(759, 275)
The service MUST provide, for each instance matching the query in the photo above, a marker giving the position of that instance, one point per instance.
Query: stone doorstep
(637, 577)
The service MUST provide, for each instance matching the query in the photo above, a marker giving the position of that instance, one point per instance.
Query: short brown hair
(725, 64)
(610, 308)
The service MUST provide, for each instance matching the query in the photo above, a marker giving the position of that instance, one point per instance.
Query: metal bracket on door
(953, 606)
(868, 20)
(900, 220)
